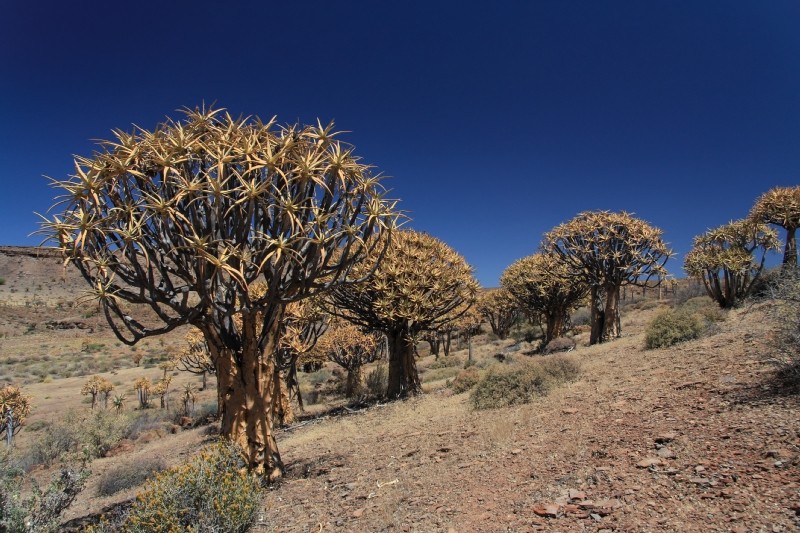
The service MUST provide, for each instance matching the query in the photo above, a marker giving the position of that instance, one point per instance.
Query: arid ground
(697, 437)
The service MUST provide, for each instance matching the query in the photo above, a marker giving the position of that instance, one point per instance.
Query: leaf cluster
(612, 249)
(779, 206)
(13, 400)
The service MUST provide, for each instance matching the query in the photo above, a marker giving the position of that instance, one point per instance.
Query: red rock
(549, 510)
(647, 463)
(576, 494)
(358, 513)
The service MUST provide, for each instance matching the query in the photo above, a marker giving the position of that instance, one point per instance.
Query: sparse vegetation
(523, 381)
(210, 493)
(784, 311)
(671, 327)
(129, 475)
(466, 379)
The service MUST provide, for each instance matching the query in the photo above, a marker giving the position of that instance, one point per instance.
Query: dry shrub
(519, 383)
(450, 361)
(784, 313)
(466, 380)
(671, 327)
(210, 493)
(127, 476)
(378, 381)
(560, 344)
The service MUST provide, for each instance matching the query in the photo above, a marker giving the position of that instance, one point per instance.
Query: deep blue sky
(496, 120)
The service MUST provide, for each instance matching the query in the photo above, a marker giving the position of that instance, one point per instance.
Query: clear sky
(495, 120)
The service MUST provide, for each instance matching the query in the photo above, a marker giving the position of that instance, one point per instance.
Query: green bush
(521, 382)
(671, 327)
(465, 380)
(127, 476)
(41, 511)
(210, 493)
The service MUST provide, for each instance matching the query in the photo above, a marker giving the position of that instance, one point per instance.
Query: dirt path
(691, 438)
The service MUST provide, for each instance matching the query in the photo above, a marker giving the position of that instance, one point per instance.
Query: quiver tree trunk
(403, 375)
(611, 323)
(790, 252)
(597, 316)
(355, 381)
(283, 415)
(247, 392)
(556, 325)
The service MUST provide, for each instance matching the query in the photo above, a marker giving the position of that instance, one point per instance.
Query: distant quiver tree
(173, 226)
(420, 285)
(15, 406)
(543, 283)
(780, 206)
(609, 250)
(500, 309)
(723, 259)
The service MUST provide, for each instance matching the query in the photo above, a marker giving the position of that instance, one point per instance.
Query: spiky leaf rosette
(780, 206)
(543, 282)
(183, 219)
(611, 249)
(13, 400)
(421, 284)
(723, 259)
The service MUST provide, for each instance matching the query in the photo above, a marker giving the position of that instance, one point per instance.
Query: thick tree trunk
(205, 380)
(598, 317)
(556, 322)
(403, 376)
(247, 392)
(611, 327)
(435, 343)
(355, 381)
(790, 252)
(282, 407)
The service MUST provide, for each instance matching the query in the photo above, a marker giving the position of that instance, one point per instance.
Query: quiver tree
(421, 284)
(303, 324)
(194, 357)
(350, 347)
(181, 221)
(500, 309)
(722, 258)
(189, 397)
(608, 251)
(98, 386)
(142, 386)
(15, 406)
(780, 206)
(161, 389)
(543, 285)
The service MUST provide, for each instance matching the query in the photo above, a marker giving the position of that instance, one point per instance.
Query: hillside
(692, 438)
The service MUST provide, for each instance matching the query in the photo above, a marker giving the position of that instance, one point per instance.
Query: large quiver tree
(609, 250)
(421, 284)
(723, 259)
(780, 206)
(542, 283)
(181, 221)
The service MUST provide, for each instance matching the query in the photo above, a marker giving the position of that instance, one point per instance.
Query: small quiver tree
(142, 386)
(303, 324)
(189, 397)
(172, 226)
(780, 206)
(15, 406)
(608, 251)
(161, 389)
(542, 284)
(421, 284)
(500, 309)
(194, 357)
(723, 259)
(97, 387)
(350, 347)
(118, 402)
